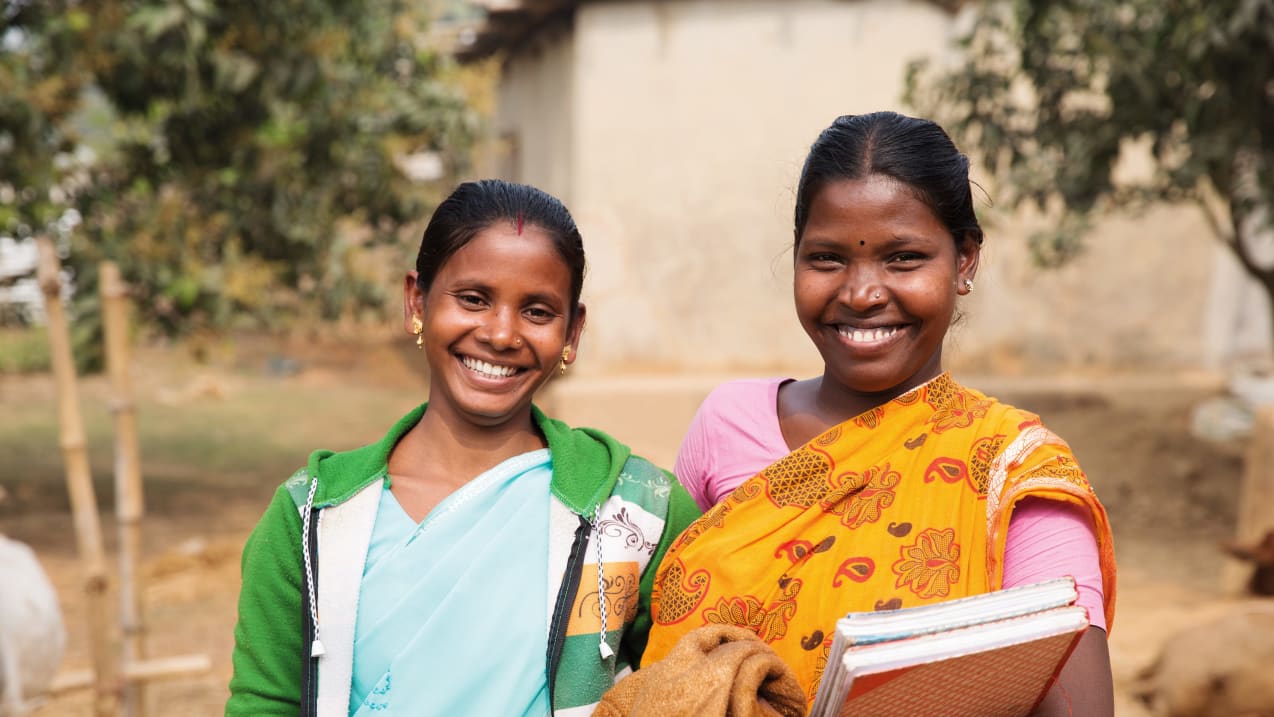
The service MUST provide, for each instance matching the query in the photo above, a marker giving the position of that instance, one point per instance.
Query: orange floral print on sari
(859, 569)
(680, 593)
(769, 622)
(870, 419)
(928, 567)
(951, 470)
(869, 493)
(959, 413)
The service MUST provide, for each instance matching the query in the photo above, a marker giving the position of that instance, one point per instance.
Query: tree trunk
(1249, 221)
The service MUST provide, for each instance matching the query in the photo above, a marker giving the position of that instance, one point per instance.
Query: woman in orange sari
(882, 483)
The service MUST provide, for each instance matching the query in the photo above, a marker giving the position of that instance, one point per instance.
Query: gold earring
(566, 356)
(418, 328)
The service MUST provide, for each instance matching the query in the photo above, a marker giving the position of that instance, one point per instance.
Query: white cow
(32, 637)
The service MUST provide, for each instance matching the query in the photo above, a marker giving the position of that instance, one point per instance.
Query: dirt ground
(1171, 496)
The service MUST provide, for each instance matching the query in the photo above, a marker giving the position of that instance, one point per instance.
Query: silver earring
(968, 284)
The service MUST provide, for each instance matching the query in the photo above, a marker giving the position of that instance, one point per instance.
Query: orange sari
(904, 505)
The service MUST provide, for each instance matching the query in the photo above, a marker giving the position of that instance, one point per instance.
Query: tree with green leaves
(235, 157)
(1051, 93)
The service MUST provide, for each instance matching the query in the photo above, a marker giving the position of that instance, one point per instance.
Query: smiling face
(496, 318)
(876, 279)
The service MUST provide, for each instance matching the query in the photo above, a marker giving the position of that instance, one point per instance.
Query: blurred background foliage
(235, 158)
(1085, 107)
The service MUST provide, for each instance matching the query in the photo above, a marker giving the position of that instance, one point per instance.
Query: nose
(500, 330)
(863, 289)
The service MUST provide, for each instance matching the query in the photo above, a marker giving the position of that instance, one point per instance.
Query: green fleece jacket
(603, 498)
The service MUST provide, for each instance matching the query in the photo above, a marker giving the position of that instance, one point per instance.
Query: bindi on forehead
(862, 243)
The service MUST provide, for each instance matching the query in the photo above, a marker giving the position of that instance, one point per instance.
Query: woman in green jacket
(482, 558)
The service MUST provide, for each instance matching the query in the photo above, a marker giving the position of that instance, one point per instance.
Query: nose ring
(517, 342)
(875, 296)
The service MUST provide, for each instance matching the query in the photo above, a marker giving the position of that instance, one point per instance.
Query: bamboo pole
(129, 503)
(79, 484)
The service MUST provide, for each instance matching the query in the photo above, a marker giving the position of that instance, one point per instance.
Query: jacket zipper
(309, 674)
(565, 599)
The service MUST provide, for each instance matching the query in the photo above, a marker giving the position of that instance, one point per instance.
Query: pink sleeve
(1049, 539)
(734, 435)
(691, 467)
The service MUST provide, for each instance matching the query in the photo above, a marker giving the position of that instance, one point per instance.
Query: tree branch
(1241, 251)
(1212, 220)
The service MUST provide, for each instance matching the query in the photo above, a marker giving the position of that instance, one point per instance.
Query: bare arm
(1085, 686)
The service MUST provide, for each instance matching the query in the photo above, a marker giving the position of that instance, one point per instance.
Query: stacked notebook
(990, 655)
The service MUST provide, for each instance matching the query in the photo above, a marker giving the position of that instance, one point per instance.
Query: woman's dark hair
(474, 206)
(915, 152)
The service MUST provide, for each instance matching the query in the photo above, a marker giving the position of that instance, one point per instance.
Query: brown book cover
(1007, 681)
(990, 655)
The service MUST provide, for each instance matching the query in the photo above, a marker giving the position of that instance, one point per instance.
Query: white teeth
(868, 335)
(488, 369)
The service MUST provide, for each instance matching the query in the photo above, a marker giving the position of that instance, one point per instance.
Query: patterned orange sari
(904, 505)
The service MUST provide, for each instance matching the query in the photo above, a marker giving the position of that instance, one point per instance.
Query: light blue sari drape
(452, 614)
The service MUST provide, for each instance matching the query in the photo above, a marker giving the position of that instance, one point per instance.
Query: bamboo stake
(129, 503)
(79, 483)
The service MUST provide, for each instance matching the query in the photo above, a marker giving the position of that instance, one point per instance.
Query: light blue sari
(452, 614)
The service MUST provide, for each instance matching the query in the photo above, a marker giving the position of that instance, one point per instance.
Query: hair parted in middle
(475, 206)
(916, 152)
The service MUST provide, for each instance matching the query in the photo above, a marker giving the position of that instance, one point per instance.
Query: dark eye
(471, 301)
(539, 314)
(824, 260)
(907, 258)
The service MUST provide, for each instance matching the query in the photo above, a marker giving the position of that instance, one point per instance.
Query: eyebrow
(463, 284)
(548, 299)
(909, 239)
(820, 242)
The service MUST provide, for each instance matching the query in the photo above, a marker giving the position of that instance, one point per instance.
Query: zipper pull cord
(602, 646)
(316, 647)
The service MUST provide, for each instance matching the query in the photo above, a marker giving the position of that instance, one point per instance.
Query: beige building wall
(535, 124)
(688, 159)
(675, 132)
(1134, 298)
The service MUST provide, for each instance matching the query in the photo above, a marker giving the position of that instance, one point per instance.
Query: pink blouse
(736, 433)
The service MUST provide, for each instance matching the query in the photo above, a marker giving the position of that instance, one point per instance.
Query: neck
(842, 403)
(462, 449)
(839, 404)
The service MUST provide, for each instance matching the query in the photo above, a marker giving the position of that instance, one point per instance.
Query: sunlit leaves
(1051, 95)
(230, 139)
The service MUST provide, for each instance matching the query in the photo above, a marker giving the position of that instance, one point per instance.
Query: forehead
(499, 256)
(874, 203)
